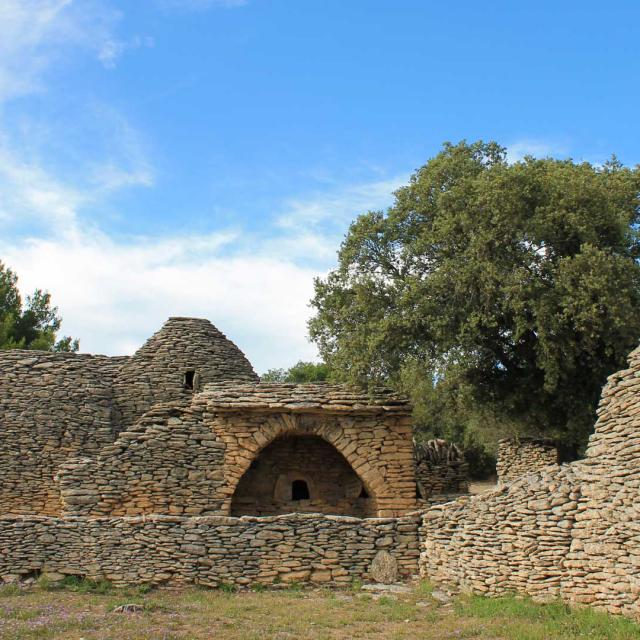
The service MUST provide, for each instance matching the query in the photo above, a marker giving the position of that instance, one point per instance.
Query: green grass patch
(524, 619)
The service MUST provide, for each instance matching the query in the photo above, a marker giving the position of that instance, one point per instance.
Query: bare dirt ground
(481, 486)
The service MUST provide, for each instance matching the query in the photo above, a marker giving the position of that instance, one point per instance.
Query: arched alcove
(301, 473)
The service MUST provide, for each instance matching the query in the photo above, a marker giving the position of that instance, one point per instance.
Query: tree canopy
(299, 372)
(32, 324)
(499, 294)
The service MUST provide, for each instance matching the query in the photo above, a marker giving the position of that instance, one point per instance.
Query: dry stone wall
(52, 406)
(170, 463)
(603, 564)
(571, 532)
(514, 539)
(59, 406)
(209, 550)
(372, 433)
(442, 473)
(267, 488)
(158, 371)
(517, 456)
(190, 458)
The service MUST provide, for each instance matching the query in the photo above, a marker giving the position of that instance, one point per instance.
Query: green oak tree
(299, 372)
(499, 294)
(32, 324)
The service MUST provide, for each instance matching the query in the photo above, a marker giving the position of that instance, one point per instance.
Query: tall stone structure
(184, 427)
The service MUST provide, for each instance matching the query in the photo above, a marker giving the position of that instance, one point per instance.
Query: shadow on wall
(301, 473)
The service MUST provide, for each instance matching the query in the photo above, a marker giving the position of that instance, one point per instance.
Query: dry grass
(87, 611)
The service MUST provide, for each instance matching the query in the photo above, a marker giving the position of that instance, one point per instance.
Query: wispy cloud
(339, 205)
(113, 292)
(35, 34)
(112, 50)
(520, 149)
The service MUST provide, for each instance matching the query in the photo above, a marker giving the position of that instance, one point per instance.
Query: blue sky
(202, 157)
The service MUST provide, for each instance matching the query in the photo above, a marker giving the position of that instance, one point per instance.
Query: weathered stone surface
(384, 568)
(207, 550)
(569, 532)
(518, 456)
(89, 435)
(442, 473)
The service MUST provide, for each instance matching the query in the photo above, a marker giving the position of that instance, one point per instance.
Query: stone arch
(301, 472)
(244, 445)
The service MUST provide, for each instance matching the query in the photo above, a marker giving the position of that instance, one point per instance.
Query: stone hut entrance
(301, 473)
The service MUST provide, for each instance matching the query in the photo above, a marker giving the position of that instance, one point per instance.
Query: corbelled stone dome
(184, 355)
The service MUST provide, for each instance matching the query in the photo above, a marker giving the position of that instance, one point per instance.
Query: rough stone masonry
(570, 532)
(129, 469)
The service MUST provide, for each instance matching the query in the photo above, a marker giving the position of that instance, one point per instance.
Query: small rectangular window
(189, 379)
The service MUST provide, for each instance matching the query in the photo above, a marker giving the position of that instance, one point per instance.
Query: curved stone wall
(189, 458)
(52, 406)
(571, 532)
(157, 371)
(267, 488)
(57, 406)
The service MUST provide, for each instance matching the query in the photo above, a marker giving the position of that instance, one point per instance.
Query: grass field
(86, 610)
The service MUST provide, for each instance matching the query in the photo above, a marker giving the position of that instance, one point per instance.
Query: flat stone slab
(387, 588)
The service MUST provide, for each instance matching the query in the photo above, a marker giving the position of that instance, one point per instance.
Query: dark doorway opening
(299, 490)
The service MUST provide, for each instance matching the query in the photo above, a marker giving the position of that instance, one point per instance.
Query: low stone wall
(571, 532)
(442, 473)
(517, 456)
(210, 550)
(513, 539)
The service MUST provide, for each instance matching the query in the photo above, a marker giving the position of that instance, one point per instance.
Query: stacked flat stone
(57, 406)
(571, 532)
(603, 564)
(189, 457)
(305, 398)
(519, 455)
(210, 551)
(156, 372)
(514, 539)
(52, 406)
(442, 473)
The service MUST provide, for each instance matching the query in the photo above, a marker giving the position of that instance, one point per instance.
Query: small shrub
(425, 588)
(356, 584)
(79, 584)
(227, 587)
(144, 589)
(10, 590)
(258, 587)
(45, 583)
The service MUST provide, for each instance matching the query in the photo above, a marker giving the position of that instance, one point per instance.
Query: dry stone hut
(184, 427)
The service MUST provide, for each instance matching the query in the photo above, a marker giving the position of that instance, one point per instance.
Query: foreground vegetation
(89, 610)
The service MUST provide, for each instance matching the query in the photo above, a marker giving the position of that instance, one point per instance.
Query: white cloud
(114, 295)
(519, 149)
(111, 50)
(28, 193)
(34, 34)
(339, 206)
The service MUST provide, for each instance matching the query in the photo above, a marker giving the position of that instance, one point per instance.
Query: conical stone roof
(183, 356)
